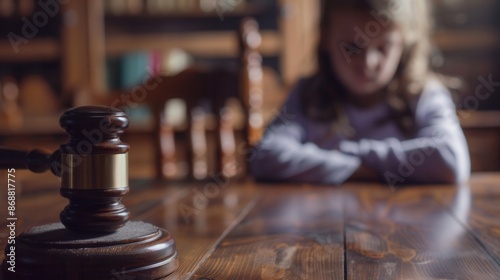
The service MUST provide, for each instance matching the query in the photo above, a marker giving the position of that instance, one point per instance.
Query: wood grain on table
(243, 230)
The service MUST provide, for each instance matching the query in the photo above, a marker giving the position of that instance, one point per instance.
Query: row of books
(127, 71)
(10, 8)
(31, 96)
(133, 7)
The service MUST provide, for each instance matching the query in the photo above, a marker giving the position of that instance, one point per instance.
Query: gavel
(95, 239)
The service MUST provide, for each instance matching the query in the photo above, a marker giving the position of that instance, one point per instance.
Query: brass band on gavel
(94, 171)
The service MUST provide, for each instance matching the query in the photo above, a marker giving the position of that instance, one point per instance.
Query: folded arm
(438, 153)
(282, 157)
(284, 154)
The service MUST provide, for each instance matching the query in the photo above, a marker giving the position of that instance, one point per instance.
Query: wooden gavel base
(136, 251)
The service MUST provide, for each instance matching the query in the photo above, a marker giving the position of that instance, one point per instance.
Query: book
(130, 70)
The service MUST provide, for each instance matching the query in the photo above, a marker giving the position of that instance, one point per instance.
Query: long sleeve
(438, 154)
(284, 155)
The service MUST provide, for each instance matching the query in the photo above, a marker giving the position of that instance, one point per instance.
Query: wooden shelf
(49, 125)
(465, 40)
(34, 50)
(479, 119)
(248, 10)
(217, 44)
(43, 125)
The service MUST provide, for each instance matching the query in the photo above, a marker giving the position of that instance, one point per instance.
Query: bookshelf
(203, 44)
(74, 47)
(30, 66)
(467, 35)
(203, 34)
(285, 25)
(82, 34)
(37, 50)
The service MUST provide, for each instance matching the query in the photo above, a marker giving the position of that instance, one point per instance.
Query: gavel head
(94, 169)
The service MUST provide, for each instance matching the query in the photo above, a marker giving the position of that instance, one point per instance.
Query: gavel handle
(36, 160)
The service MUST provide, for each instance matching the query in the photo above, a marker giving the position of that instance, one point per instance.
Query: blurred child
(373, 111)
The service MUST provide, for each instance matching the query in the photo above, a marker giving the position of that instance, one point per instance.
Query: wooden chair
(206, 142)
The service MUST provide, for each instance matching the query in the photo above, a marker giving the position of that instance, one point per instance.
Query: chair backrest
(209, 138)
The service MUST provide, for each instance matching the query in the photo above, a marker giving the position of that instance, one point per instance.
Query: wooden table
(242, 230)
